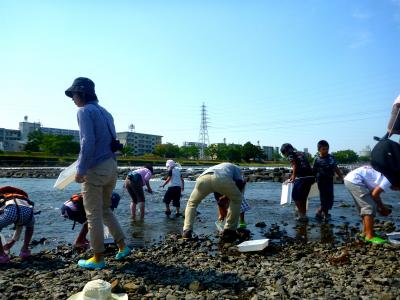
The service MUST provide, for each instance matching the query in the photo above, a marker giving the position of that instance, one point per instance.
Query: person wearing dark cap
(302, 178)
(96, 170)
(134, 183)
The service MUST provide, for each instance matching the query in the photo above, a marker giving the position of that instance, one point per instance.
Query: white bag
(66, 177)
(286, 196)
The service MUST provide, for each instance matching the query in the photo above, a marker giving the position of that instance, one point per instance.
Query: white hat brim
(114, 296)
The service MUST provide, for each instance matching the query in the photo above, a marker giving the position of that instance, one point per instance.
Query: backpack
(385, 158)
(73, 209)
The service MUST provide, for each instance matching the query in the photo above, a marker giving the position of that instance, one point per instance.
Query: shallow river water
(264, 198)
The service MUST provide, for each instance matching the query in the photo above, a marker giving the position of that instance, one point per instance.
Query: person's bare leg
(301, 207)
(368, 224)
(242, 217)
(81, 239)
(141, 210)
(27, 238)
(121, 245)
(133, 209)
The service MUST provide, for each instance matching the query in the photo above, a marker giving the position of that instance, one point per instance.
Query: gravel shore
(204, 268)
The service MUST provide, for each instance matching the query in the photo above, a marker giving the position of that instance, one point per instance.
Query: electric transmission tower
(204, 140)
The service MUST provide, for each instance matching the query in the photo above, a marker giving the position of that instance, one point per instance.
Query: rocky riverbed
(252, 174)
(204, 268)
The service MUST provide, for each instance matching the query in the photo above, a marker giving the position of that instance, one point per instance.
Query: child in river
(366, 186)
(175, 189)
(302, 178)
(16, 208)
(324, 168)
(223, 205)
(73, 209)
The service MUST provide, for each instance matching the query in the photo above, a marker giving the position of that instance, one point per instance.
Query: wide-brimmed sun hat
(81, 85)
(98, 290)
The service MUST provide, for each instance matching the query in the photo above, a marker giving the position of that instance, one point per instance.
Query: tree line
(65, 145)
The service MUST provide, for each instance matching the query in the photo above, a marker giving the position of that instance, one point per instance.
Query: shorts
(134, 185)
(326, 193)
(9, 215)
(362, 199)
(173, 194)
(301, 189)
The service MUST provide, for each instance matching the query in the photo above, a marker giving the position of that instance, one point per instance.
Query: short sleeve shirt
(368, 177)
(324, 167)
(175, 176)
(225, 170)
(300, 160)
(144, 172)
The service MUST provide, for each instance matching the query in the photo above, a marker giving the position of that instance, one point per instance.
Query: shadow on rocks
(206, 279)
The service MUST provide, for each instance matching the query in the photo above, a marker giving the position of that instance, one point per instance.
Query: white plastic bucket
(66, 177)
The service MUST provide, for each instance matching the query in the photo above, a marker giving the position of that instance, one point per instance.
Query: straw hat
(98, 290)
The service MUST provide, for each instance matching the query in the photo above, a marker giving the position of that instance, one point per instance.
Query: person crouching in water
(16, 208)
(223, 205)
(302, 178)
(175, 189)
(134, 183)
(365, 186)
(224, 179)
(73, 209)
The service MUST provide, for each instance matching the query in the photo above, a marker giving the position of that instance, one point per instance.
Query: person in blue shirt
(96, 170)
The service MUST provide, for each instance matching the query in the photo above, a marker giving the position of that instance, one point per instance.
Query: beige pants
(208, 184)
(97, 190)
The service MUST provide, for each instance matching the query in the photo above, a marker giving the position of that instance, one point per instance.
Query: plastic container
(286, 196)
(66, 177)
(256, 245)
(394, 237)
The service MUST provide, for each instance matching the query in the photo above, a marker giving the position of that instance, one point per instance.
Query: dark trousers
(325, 187)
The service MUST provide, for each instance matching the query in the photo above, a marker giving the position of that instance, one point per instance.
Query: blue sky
(268, 71)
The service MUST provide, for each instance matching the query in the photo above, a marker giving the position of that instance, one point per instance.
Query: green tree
(345, 156)
(59, 144)
(276, 156)
(211, 151)
(189, 152)
(35, 138)
(234, 153)
(168, 150)
(250, 151)
(127, 151)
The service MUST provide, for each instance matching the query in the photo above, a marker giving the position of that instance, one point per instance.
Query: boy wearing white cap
(175, 189)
